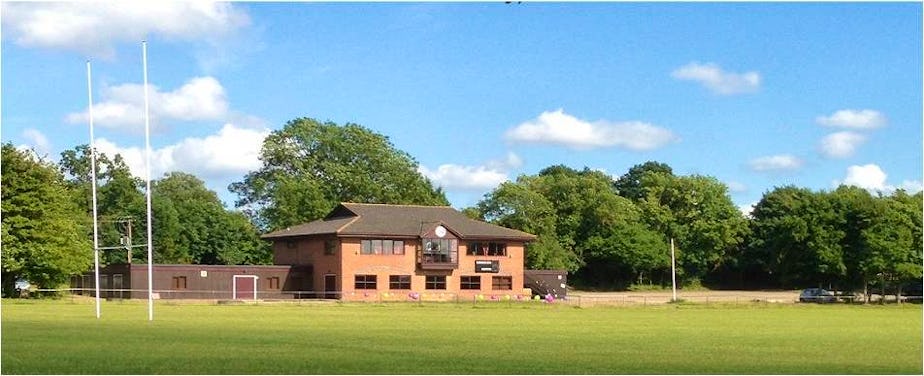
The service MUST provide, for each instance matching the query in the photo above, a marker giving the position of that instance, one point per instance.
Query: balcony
(438, 260)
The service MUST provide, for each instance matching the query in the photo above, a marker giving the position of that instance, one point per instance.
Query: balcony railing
(438, 260)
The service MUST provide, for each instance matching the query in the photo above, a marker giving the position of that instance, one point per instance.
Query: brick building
(357, 252)
(362, 251)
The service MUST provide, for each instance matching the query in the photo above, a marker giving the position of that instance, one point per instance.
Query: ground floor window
(470, 282)
(273, 283)
(502, 283)
(399, 282)
(179, 283)
(436, 282)
(365, 282)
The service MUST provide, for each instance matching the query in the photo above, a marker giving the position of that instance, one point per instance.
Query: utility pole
(128, 238)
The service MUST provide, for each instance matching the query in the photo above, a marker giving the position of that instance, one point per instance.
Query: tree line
(609, 233)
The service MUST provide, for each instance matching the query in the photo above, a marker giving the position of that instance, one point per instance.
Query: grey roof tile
(351, 219)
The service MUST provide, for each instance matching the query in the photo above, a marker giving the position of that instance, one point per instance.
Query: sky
(757, 95)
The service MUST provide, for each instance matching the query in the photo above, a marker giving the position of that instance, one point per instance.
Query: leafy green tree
(630, 186)
(119, 196)
(203, 232)
(698, 213)
(309, 167)
(43, 231)
(515, 206)
(620, 248)
(797, 237)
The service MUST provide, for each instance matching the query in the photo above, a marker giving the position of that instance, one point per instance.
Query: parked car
(816, 295)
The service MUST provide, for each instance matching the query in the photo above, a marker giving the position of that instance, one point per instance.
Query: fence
(577, 300)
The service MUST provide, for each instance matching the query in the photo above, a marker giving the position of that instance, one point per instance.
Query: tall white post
(673, 273)
(93, 185)
(147, 163)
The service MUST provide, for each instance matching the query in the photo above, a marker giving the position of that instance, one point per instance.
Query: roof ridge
(339, 229)
(406, 205)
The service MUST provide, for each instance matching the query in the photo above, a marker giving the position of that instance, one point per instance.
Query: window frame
(435, 282)
(466, 282)
(176, 282)
(272, 283)
(381, 246)
(505, 284)
(362, 282)
(399, 282)
(493, 249)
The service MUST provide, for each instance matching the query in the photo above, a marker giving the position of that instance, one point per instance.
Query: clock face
(440, 231)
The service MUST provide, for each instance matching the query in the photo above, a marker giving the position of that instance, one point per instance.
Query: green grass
(54, 337)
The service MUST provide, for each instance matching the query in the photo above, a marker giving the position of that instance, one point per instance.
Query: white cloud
(560, 128)
(36, 141)
(94, 28)
(841, 144)
(783, 162)
(868, 176)
(487, 176)
(122, 106)
(854, 119)
(230, 152)
(911, 186)
(872, 178)
(718, 81)
(746, 210)
(737, 187)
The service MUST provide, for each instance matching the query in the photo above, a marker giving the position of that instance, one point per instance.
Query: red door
(245, 287)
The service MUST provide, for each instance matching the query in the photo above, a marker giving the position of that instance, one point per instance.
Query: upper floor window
(330, 246)
(486, 249)
(382, 247)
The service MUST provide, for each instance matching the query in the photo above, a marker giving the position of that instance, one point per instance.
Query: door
(330, 286)
(244, 287)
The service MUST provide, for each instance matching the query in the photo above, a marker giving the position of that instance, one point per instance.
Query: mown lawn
(55, 337)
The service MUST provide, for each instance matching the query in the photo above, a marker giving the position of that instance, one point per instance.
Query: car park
(816, 295)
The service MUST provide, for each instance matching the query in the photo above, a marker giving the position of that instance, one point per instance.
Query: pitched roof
(349, 219)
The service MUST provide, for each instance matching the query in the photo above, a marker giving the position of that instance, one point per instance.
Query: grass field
(53, 337)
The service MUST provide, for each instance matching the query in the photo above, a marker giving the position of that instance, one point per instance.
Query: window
(329, 247)
(502, 283)
(470, 282)
(179, 283)
(365, 282)
(439, 250)
(382, 247)
(486, 249)
(436, 282)
(399, 282)
(273, 283)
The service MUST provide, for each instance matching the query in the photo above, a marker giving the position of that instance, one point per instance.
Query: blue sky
(757, 95)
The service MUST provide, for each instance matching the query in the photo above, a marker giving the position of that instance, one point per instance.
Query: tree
(697, 212)
(44, 238)
(796, 237)
(882, 236)
(203, 232)
(515, 206)
(630, 186)
(119, 199)
(309, 167)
